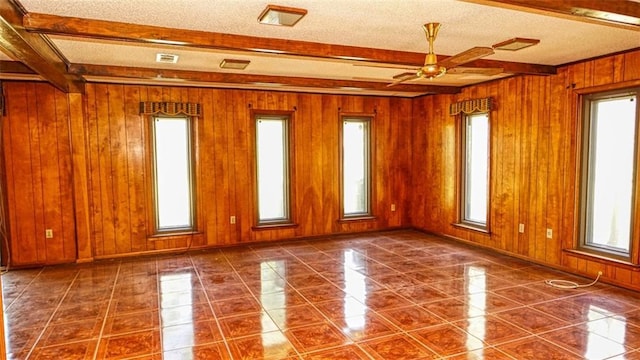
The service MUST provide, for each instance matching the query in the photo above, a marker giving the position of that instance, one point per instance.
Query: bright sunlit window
(272, 156)
(356, 178)
(609, 170)
(475, 170)
(172, 173)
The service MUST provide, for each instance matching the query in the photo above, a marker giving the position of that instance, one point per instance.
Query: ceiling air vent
(167, 58)
(234, 64)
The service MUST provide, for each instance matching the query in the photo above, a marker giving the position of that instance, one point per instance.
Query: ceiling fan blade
(362, 78)
(400, 78)
(404, 75)
(477, 71)
(466, 56)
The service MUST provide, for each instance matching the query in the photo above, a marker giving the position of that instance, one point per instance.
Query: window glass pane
(476, 168)
(172, 173)
(611, 172)
(273, 187)
(355, 170)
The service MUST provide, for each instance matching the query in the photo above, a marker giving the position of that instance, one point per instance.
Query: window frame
(289, 159)
(369, 162)
(157, 230)
(461, 220)
(585, 172)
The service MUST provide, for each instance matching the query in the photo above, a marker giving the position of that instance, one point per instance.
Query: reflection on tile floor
(396, 295)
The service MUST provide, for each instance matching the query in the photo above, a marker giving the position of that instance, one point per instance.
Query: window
(609, 172)
(475, 170)
(272, 158)
(173, 175)
(356, 164)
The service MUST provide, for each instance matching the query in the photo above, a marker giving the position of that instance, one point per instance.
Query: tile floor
(397, 295)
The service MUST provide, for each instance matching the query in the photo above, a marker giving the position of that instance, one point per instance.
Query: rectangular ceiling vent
(167, 58)
(234, 64)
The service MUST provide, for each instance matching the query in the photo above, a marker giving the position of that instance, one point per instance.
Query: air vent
(234, 64)
(167, 58)
(515, 44)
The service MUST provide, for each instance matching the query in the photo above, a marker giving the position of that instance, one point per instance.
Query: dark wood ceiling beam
(619, 13)
(248, 79)
(15, 67)
(33, 50)
(111, 30)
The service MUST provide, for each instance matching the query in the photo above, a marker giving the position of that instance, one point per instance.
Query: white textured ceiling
(383, 24)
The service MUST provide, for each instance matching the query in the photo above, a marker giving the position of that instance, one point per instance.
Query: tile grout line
(209, 302)
(159, 299)
(353, 342)
(262, 308)
(106, 314)
(46, 325)
(23, 290)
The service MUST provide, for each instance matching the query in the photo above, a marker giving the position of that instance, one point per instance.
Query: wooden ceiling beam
(248, 79)
(15, 67)
(111, 30)
(32, 50)
(618, 13)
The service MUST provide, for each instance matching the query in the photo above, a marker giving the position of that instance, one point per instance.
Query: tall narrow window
(609, 172)
(173, 178)
(475, 170)
(356, 177)
(272, 157)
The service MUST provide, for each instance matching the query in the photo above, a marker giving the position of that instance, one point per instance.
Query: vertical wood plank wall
(117, 187)
(37, 154)
(533, 164)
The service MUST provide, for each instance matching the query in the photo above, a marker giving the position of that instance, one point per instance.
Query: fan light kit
(433, 69)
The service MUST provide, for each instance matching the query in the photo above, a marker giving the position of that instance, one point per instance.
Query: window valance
(470, 106)
(169, 108)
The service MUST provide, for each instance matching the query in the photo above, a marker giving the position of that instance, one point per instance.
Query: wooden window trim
(460, 222)
(370, 215)
(585, 96)
(357, 219)
(467, 225)
(274, 226)
(291, 221)
(153, 233)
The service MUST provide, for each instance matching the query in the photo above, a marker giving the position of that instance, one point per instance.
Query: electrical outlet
(48, 233)
(521, 228)
(393, 207)
(549, 233)
(232, 220)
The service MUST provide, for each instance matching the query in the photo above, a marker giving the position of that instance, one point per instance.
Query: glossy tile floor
(397, 295)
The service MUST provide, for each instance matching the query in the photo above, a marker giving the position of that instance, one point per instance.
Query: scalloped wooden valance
(169, 108)
(470, 106)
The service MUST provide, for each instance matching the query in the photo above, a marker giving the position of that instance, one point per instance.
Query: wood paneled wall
(533, 164)
(80, 165)
(37, 155)
(112, 173)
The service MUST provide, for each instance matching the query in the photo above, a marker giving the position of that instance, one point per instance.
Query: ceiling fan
(433, 69)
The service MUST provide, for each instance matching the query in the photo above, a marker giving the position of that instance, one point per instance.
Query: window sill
(173, 235)
(274, 226)
(593, 256)
(357, 219)
(472, 228)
